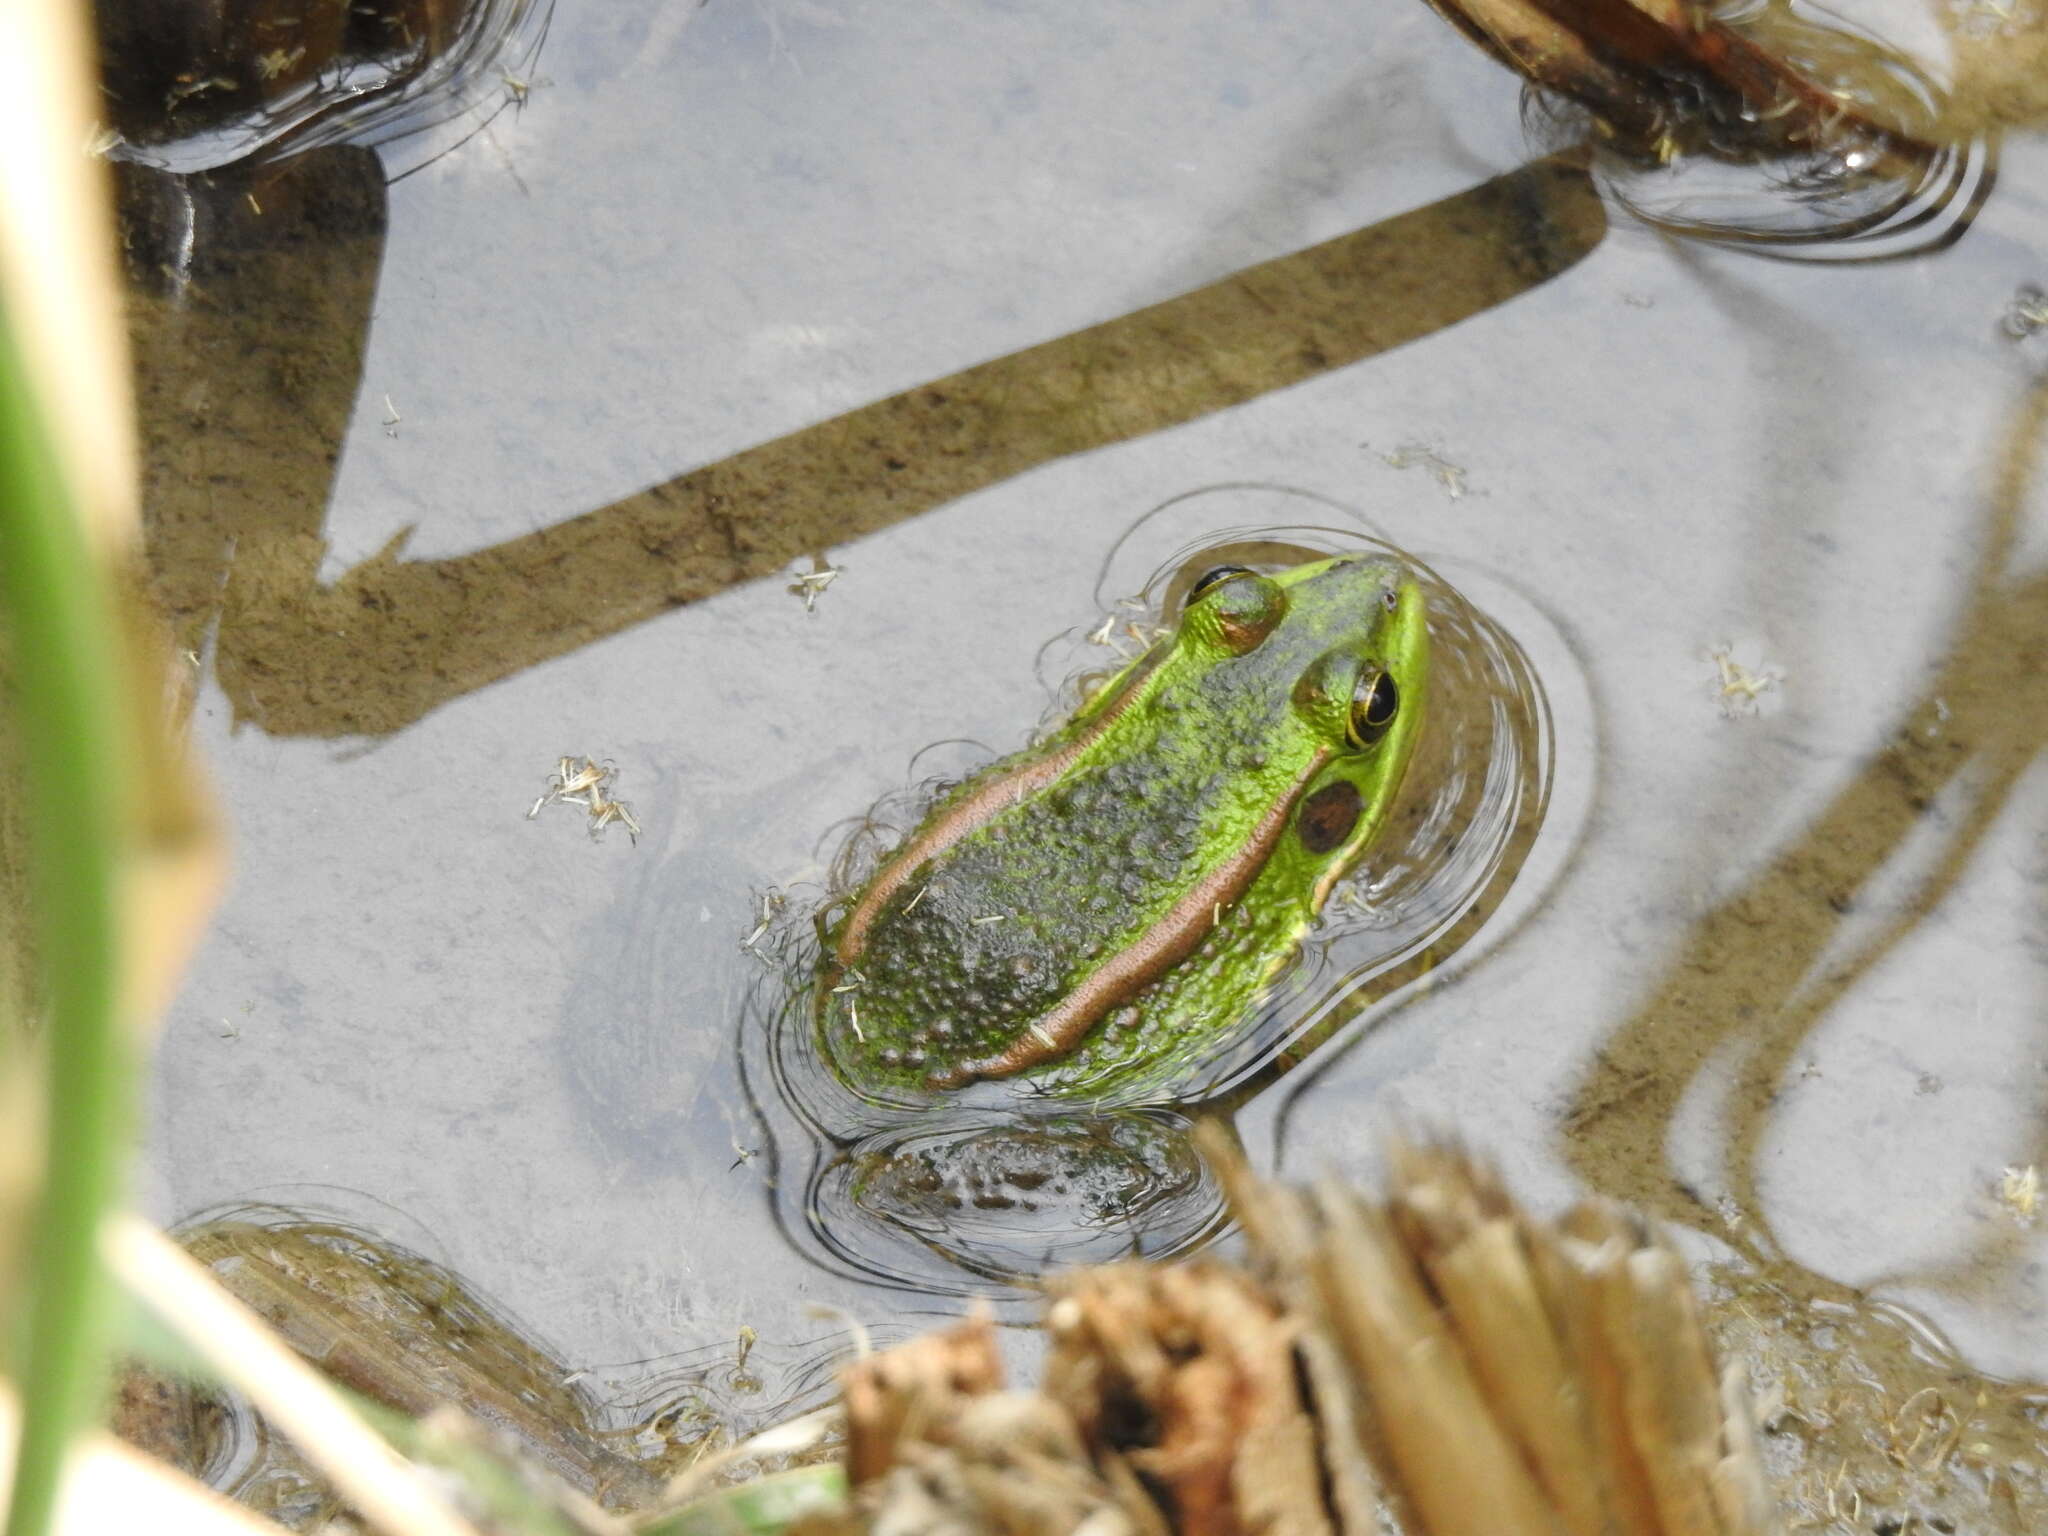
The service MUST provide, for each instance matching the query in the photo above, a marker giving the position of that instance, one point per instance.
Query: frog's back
(997, 931)
(1048, 900)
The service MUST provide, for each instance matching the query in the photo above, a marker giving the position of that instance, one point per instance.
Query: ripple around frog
(998, 1182)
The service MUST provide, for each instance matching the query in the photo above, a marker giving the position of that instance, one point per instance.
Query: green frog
(1116, 897)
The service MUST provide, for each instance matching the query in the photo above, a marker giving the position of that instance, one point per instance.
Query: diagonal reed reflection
(393, 639)
(1748, 977)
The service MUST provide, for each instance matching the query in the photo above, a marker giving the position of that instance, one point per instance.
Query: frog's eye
(1212, 576)
(1238, 607)
(1375, 701)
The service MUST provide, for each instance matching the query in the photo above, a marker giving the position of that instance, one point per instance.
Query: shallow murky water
(518, 457)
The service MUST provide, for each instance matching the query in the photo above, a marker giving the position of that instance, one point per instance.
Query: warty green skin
(1111, 902)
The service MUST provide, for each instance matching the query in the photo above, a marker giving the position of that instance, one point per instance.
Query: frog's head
(1349, 640)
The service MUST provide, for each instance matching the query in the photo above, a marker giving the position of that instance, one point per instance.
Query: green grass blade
(65, 694)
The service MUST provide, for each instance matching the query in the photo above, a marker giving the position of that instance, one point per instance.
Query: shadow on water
(260, 284)
(1749, 976)
(1879, 1421)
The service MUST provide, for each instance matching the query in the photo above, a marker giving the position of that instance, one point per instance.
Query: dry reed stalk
(1460, 1471)
(57, 279)
(1438, 1364)
(915, 1392)
(1567, 1273)
(1188, 1373)
(1511, 1375)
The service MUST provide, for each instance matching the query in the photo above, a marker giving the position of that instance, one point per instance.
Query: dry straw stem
(1509, 1376)
(934, 1444)
(1460, 1471)
(1474, 1247)
(1673, 1401)
(1566, 1271)
(56, 262)
(1741, 1495)
(373, 1477)
(174, 859)
(1357, 1501)
(109, 1486)
(1021, 1470)
(1684, 1439)
(1281, 1231)
(915, 1393)
(1489, 1291)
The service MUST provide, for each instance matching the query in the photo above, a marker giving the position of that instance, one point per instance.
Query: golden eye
(1374, 704)
(1237, 606)
(1214, 574)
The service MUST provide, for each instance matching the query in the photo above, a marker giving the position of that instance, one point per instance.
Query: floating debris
(1124, 628)
(810, 585)
(772, 903)
(1739, 685)
(2019, 1191)
(518, 88)
(2026, 314)
(584, 782)
(604, 812)
(279, 62)
(1421, 456)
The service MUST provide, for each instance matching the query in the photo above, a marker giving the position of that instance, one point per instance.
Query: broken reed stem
(1452, 1459)
(1507, 1376)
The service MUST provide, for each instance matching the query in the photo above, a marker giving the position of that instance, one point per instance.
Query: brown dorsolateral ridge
(1155, 952)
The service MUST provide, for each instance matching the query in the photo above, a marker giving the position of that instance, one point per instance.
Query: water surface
(1788, 987)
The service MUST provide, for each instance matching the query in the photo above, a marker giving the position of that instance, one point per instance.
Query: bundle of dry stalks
(1436, 1363)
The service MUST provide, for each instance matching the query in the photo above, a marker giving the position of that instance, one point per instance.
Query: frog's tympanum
(1116, 897)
